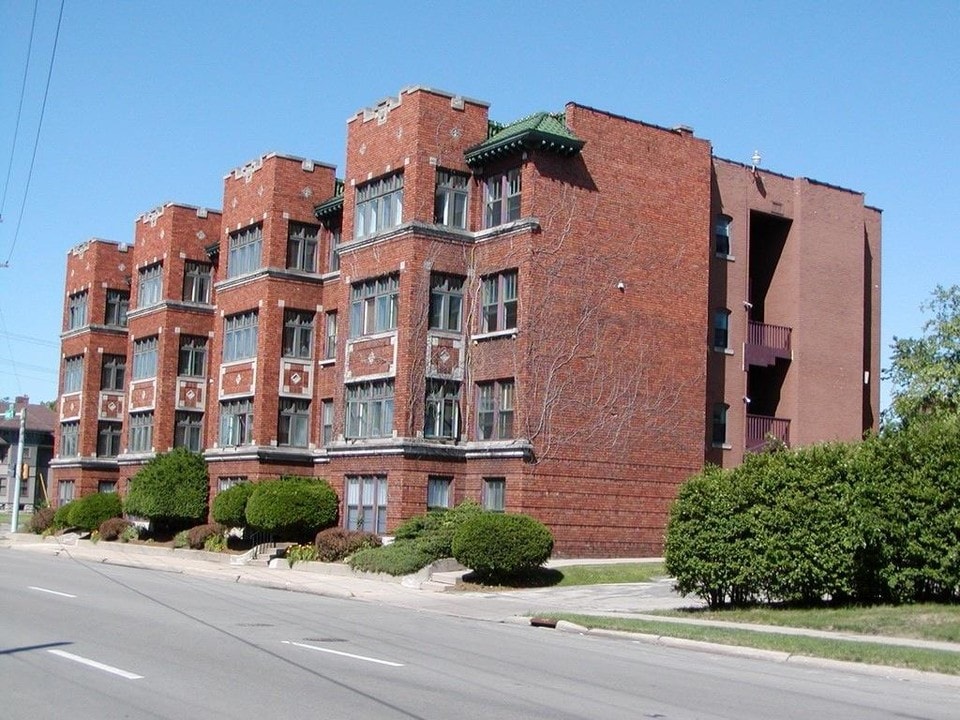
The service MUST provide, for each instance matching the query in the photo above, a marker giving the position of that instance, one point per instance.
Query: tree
(171, 489)
(925, 371)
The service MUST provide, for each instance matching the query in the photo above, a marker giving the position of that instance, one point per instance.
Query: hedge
(497, 545)
(292, 508)
(230, 505)
(171, 489)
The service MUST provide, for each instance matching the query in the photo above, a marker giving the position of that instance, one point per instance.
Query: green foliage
(230, 505)
(398, 558)
(171, 489)
(130, 533)
(336, 543)
(113, 528)
(436, 528)
(498, 545)
(61, 518)
(215, 543)
(88, 512)
(41, 520)
(925, 372)
(180, 540)
(300, 553)
(198, 536)
(877, 521)
(292, 508)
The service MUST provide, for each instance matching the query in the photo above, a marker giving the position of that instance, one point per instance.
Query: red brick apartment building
(565, 316)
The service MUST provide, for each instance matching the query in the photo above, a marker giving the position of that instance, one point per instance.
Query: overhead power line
(23, 92)
(36, 140)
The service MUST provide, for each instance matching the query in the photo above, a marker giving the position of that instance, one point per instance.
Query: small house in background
(37, 452)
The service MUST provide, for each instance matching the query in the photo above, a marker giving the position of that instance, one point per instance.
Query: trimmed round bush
(230, 505)
(171, 489)
(88, 512)
(197, 536)
(292, 508)
(113, 528)
(61, 517)
(336, 543)
(497, 545)
(42, 520)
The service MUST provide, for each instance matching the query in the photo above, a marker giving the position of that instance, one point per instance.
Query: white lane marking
(52, 592)
(344, 654)
(97, 665)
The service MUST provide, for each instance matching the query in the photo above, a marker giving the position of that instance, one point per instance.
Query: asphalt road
(85, 640)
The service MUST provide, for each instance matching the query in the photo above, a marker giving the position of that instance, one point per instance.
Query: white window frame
(150, 285)
(369, 409)
(366, 503)
(379, 206)
(245, 247)
(240, 336)
(501, 198)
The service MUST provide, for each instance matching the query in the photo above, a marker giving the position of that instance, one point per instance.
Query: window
(450, 205)
(373, 306)
(118, 302)
(65, 491)
(370, 409)
(495, 410)
(326, 420)
(188, 430)
(112, 371)
(500, 301)
(150, 287)
(240, 336)
(77, 310)
(141, 431)
(721, 235)
(720, 423)
(438, 491)
(69, 439)
(721, 327)
(108, 439)
(379, 206)
(442, 409)
(294, 426)
(144, 358)
(302, 247)
(367, 503)
(502, 199)
(494, 494)
(73, 374)
(107, 486)
(197, 279)
(330, 341)
(236, 422)
(193, 356)
(228, 481)
(297, 334)
(446, 302)
(243, 255)
(333, 261)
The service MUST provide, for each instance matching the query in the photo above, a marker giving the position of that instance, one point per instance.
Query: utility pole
(15, 516)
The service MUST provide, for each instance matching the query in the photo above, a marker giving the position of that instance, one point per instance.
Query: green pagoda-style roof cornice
(541, 131)
(332, 206)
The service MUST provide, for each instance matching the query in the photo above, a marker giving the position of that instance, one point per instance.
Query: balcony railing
(761, 429)
(766, 343)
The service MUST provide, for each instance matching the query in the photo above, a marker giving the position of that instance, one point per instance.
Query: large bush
(292, 508)
(434, 530)
(876, 521)
(61, 518)
(399, 558)
(88, 512)
(171, 489)
(230, 505)
(498, 546)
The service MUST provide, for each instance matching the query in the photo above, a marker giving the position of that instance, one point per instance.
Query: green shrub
(61, 518)
(113, 528)
(41, 520)
(300, 553)
(89, 511)
(499, 546)
(215, 543)
(130, 533)
(436, 528)
(197, 536)
(399, 558)
(336, 543)
(292, 508)
(230, 505)
(180, 540)
(171, 489)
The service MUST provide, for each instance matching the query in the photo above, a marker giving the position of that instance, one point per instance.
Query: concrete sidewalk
(435, 592)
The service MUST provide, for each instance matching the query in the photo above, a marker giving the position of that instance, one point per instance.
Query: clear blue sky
(151, 102)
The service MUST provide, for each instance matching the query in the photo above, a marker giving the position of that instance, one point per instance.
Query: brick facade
(557, 343)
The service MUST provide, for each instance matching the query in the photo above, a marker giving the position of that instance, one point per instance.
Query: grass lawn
(918, 659)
